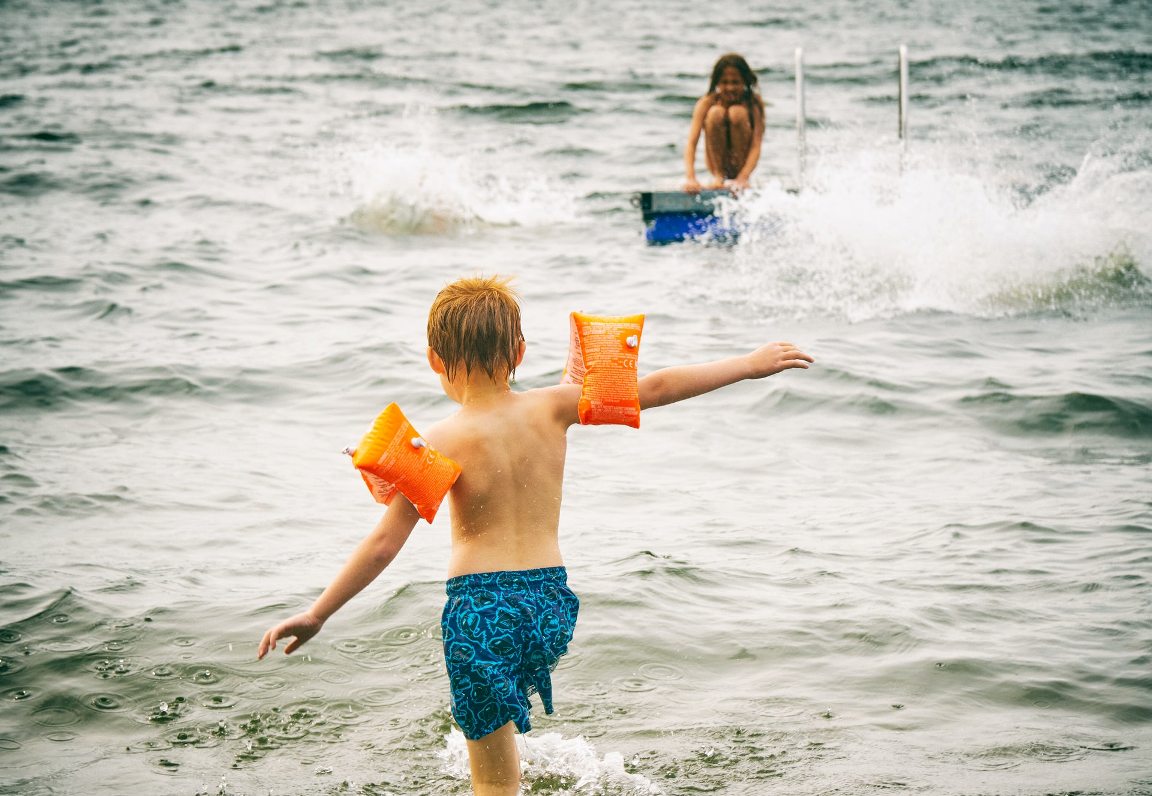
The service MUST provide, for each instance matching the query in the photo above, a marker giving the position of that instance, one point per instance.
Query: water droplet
(108, 703)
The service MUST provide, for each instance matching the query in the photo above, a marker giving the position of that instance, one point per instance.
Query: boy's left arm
(680, 382)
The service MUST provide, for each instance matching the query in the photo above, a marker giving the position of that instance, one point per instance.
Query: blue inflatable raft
(674, 216)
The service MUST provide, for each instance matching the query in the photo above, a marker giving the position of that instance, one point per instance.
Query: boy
(509, 614)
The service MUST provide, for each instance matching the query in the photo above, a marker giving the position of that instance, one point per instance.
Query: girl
(731, 116)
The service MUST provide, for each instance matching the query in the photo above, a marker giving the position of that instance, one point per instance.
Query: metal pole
(903, 121)
(801, 120)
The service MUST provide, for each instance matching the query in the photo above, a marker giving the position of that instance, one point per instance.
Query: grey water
(921, 566)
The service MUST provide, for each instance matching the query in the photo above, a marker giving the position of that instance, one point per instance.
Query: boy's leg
(495, 763)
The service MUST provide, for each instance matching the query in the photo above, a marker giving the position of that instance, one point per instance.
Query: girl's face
(730, 86)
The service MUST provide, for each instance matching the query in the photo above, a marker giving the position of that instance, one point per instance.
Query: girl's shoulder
(704, 103)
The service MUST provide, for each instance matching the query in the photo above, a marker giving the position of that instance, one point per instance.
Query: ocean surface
(922, 566)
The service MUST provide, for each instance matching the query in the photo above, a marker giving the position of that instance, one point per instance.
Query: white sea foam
(413, 186)
(867, 238)
(559, 765)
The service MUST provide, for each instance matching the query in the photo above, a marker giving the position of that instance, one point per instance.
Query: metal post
(903, 120)
(801, 120)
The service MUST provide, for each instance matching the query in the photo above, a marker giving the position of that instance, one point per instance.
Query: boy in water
(731, 116)
(510, 614)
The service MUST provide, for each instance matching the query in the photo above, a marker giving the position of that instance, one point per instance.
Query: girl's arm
(677, 383)
(369, 559)
(691, 184)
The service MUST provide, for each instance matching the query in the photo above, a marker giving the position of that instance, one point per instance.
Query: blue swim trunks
(504, 633)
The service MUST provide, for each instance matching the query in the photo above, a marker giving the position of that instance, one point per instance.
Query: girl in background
(731, 116)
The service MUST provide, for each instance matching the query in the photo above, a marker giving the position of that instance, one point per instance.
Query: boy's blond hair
(475, 322)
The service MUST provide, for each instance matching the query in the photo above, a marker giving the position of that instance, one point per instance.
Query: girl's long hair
(751, 99)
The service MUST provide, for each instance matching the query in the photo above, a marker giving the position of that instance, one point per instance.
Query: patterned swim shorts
(504, 633)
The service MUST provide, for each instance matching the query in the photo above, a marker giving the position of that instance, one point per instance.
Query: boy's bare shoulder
(559, 400)
(445, 433)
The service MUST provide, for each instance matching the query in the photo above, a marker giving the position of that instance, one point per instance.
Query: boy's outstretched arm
(369, 559)
(669, 385)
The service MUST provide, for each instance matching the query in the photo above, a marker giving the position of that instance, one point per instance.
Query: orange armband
(602, 359)
(393, 458)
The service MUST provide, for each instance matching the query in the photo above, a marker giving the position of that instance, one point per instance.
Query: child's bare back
(510, 446)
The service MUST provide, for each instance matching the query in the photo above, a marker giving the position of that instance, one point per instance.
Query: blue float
(674, 216)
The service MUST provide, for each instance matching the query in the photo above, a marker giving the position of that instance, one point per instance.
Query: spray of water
(869, 237)
(421, 184)
(551, 763)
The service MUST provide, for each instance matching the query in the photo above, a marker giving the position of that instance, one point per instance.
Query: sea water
(921, 566)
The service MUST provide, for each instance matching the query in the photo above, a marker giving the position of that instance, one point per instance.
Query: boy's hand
(303, 626)
(775, 357)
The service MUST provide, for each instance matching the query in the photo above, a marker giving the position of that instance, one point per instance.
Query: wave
(1111, 280)
(1062, 413)
(58, 388)
(868, 238)
(50, 137)
(365, 53)
(30, 184)
(419, 191)
(40, 284)
(25, 605)
(612, 86)
(1104, 65)
(540, 112)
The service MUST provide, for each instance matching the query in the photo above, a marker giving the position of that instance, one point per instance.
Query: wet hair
(751, 98)
(475, 323)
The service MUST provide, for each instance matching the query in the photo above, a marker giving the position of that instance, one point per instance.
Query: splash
(551, 763)
(867, 238)
(416, 187)
(1111, 280)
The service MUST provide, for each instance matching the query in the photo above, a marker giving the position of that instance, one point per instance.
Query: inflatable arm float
(393, 458)
(602, 359)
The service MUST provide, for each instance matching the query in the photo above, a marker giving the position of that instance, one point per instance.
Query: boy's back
(510, 446)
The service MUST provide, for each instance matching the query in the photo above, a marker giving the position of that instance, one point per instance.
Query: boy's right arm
(369, 559)
(679, 382)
